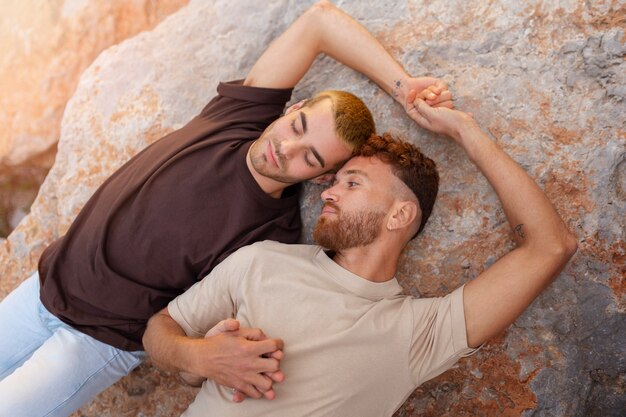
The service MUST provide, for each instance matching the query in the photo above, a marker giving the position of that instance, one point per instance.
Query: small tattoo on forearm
(397, 86)
(519, 231)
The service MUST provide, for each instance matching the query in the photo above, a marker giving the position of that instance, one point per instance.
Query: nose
(330, 194)
(290, 148)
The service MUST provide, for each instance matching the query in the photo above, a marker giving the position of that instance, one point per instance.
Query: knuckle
(246, 349)
(254, 393)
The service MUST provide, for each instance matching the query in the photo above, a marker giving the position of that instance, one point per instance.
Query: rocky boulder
(545, 79)
(44, 48)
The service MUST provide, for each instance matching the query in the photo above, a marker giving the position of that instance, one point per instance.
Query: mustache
(277, 151)
(331, 205)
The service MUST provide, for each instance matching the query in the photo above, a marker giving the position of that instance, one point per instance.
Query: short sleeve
(208, 301)
(439, 335)
(252, 104)
(236, 90)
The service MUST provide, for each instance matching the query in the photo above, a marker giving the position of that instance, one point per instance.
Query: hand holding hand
(432, 90)
(244, 359)
(228, 325)
(440, 120)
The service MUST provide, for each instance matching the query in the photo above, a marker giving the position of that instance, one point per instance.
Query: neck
(271, 187)
(376, 262)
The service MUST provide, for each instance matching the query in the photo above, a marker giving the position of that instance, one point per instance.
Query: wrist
(400, 88)
(473, 140)
(185, 354)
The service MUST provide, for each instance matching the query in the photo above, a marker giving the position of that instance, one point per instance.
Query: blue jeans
(48, 368)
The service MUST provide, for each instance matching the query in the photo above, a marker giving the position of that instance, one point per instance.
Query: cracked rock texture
(545, 79)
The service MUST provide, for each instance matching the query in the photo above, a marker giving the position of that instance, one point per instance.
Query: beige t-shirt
(352, 347)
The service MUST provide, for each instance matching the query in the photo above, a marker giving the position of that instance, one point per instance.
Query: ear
(324, 179)
(295, 106)
(403, 215)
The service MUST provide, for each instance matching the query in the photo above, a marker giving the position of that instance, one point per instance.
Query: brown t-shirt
(166, 218)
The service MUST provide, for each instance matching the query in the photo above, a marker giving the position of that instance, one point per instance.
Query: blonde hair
(354, 123)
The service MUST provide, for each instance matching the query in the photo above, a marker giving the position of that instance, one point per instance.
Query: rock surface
(546, 79)
(44, 47)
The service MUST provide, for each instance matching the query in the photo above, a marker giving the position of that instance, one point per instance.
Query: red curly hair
(410, 165)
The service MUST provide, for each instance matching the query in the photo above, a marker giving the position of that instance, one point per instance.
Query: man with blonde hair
(169, 215)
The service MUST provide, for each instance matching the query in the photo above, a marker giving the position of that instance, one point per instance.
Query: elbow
(558, 250)
(322, 9)
(318, 16)
(564, 248)
(146, 340)
(322, 6)
(570, 245)
(567, 244)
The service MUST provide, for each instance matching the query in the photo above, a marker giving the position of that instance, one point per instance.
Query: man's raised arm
(324, 28)
(500, 294)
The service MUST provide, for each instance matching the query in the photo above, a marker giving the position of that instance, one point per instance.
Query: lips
(270, 155)
(330, 208)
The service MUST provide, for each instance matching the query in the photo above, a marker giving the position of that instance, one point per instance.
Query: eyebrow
(314, 151)
(303, 121)
(357, 172)
(318, 156)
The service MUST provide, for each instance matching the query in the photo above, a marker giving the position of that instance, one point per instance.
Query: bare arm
(501, 293)
(232, 359)
(324, 28)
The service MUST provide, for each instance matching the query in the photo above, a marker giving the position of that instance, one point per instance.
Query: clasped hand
(429, 103)
(243, 359)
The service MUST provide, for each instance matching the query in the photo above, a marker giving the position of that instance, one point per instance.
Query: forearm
(324, 28)
(167, 344)
(535, 222)
(345, 40)
(241, 359)
(501, 293)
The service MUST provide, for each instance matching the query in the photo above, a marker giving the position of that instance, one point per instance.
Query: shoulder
(267, 255)
(272, 248)
(251, 104)
(237, 90)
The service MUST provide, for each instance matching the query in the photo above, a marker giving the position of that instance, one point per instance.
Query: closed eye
(293, 127)
(308, 161)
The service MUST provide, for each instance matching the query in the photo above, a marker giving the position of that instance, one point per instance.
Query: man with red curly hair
(353, 345)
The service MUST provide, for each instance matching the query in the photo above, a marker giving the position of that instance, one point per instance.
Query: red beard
(348, 230)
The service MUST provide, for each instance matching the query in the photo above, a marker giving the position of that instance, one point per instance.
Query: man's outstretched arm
(500, 294)
(325, 29)
(239, 359)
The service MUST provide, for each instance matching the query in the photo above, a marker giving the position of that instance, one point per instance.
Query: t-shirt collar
(352, 282)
